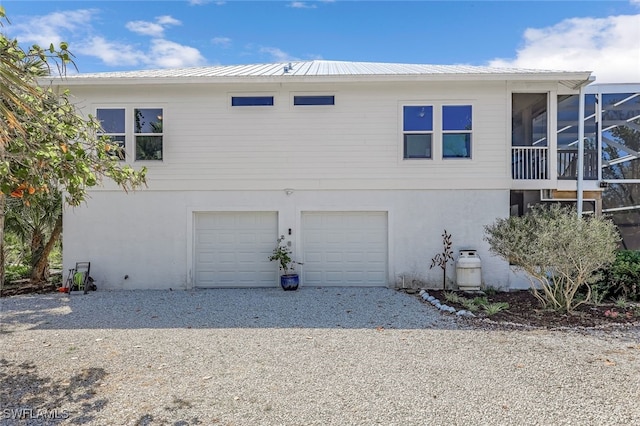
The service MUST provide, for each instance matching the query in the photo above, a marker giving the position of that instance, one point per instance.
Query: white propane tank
(469, 271)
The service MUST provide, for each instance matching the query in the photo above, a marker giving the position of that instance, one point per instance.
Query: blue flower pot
(289, 282)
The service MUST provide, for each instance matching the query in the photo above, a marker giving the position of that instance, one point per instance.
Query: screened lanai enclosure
(610, 161)
(611, 150)
(618, 130)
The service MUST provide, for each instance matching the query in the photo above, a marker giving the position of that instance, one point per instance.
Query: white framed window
(113, 125)
(417, 130)
(436, 130)
(148, 133)
(136, 131)
(457, 125)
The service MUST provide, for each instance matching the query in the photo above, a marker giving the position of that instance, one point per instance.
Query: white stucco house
(361, 166)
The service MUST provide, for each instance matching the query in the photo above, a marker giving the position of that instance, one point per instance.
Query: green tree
(38, 228)
(559, 251)
(45, 144)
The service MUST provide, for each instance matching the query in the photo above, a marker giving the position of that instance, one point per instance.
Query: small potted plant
(289, 280)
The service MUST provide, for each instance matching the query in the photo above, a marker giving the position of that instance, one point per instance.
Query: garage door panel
(312, 256)
(265, 239)
(311, 277)
(232, 249)
(345, 248)
(354, 237)
(335, 238)
(373, 258)
(354, 276)
(333, 257)
(354, 257)
(221, 237)
(204, 257)
(334, 276)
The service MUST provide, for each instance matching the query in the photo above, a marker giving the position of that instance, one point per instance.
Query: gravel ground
(331, 356)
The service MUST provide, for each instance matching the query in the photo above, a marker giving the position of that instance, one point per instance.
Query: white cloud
(221, 41)
(610, 47)
(111, 53)
(145, 28)
(76, 27)
(168, 54)
(203, 2)
(168, 20)
(161, 54)
(301, 5)
(53, 28)
(152, 29)
(277, 55)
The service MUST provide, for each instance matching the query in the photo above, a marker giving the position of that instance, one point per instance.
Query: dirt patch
(26, 287)
(525, 309)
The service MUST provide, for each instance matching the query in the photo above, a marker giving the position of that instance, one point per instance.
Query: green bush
(560, 251)
(16, 272)
(622, 278)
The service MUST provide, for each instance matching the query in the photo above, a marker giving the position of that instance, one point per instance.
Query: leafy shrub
(476, 304)
(622, 278)
(494, 308)
(490, 291)
(16, 272)
(452, 297)
(599, 291)
(560, 251)
(481, 301)
(470, 305)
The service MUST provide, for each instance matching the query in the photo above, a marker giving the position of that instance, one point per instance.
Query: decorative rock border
(444, 308)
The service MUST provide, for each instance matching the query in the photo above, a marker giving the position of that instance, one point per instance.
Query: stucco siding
(147, 236)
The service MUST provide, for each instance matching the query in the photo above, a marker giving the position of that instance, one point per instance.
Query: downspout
(579, 185)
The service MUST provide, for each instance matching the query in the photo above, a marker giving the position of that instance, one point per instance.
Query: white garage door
(232, 249)
(345, 248)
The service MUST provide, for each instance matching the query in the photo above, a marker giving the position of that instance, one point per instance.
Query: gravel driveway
(331, 356)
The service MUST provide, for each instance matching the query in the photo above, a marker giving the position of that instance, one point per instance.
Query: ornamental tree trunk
(37, 246)
(40, 271)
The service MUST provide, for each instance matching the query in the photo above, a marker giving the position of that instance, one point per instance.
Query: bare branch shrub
(561, 252)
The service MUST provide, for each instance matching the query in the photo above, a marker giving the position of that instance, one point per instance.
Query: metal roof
(320, 69)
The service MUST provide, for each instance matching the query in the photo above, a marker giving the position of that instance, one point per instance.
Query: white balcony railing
(529, 162)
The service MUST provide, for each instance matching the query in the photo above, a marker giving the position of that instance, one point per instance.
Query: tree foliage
(45, 144)
(560, 252)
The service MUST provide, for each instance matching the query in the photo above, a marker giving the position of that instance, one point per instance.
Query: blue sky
(601, 36)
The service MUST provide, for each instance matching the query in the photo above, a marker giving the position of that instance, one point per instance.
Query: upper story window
(252, 101)
(148, 133)
(143, 126)
(417, 128)
(113, 126)
(456, 131)
(314, 100)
